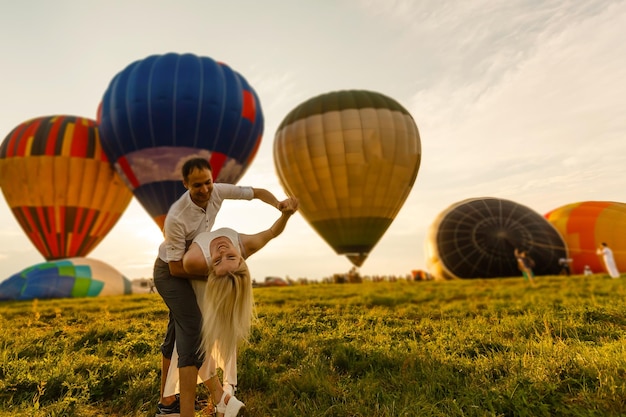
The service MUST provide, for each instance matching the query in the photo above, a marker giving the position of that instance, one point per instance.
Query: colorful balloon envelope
(65, 278)
(351, 157)
(160, 111)
(476, 238)
(60, 185)
(585, 225)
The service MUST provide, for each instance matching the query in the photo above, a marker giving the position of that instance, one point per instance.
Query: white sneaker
(232, 408)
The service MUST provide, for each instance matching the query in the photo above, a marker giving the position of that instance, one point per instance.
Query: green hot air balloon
(351, 158)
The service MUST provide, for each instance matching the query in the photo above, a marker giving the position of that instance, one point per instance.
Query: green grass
(460, 348)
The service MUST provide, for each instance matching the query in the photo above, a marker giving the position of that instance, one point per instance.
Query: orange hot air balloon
(585, 225)
(351, 158)
(60, 185)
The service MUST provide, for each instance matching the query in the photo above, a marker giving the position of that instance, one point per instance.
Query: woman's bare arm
(253, 243)
(194, 262)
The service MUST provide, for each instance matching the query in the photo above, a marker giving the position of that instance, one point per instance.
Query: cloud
(564, 93)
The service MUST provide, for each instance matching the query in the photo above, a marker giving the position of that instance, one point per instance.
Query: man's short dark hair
(195, 163)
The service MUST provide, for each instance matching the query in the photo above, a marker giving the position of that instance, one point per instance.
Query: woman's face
(224, 256)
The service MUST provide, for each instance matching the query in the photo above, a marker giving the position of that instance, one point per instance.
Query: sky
(519, 100)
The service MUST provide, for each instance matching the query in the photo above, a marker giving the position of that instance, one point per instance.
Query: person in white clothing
(609, 261)
(194, 212)
(226, 300)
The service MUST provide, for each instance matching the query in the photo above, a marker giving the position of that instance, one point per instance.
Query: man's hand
(282, 204)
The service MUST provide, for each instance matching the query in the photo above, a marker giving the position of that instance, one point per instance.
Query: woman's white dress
(609, 262)
(172, 383)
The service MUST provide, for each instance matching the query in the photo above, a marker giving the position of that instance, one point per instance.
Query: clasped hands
(288, 206)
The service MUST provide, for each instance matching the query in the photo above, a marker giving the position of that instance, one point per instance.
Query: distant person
(194, 212)
(525, 265)
(609, 261)
(564, 264)
(225, 299)
(587, 271)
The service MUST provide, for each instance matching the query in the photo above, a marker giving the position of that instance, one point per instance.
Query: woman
(226, 299)
(609, 261)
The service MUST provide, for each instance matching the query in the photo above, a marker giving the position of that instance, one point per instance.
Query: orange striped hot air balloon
(585, 225)
(60, 185)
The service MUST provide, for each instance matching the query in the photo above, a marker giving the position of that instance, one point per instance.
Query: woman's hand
(289, 206)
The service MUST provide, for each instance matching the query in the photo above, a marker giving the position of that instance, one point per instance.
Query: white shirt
(185, 220)
(204, 239)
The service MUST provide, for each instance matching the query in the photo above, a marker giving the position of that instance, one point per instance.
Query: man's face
(199, 182)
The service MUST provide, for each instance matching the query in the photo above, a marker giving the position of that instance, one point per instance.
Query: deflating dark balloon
(476, 238)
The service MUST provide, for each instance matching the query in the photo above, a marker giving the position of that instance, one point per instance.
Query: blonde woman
(194, 212)
(226, 299)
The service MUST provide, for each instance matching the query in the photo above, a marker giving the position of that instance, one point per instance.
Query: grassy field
(461, 348)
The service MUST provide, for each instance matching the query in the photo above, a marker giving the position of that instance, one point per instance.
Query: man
(564, 264)
(194, 212)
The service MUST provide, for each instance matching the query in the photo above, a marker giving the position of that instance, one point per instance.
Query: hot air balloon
(60, 185)
(65, 278)
(585, 225)
(351, 157)
(160, 111)
(476, 238)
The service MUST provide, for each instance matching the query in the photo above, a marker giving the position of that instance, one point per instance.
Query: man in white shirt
(194, 212)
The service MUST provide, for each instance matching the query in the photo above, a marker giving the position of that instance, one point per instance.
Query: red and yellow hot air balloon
(351, 157)
(60, 185)
(585, 225)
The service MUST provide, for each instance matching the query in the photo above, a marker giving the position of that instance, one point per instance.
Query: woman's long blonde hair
(227, 312)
